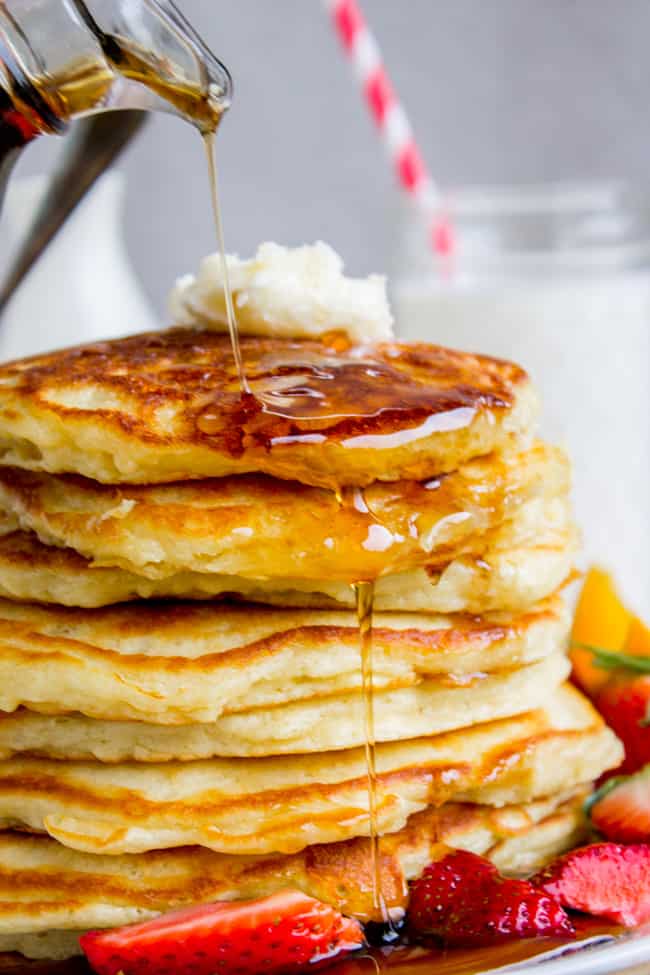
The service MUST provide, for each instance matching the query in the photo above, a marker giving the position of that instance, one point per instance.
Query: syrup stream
(364, 591)
(209, 143)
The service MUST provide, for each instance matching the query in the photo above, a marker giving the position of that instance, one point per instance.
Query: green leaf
(614, 783)
(611, 660)
(604, 790)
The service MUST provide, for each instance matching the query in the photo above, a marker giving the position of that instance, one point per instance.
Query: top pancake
(166, 406)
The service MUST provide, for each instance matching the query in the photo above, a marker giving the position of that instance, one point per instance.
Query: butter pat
(298, 292)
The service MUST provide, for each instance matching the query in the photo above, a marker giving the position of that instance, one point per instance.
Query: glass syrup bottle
(66, 59)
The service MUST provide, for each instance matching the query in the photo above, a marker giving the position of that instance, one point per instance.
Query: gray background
(498, 90)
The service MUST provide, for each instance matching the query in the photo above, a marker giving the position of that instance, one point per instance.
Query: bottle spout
(159, 61)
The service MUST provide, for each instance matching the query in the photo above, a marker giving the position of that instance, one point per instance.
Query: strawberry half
(620, 809)
(463, 901)
(277, 935)
(604, 879)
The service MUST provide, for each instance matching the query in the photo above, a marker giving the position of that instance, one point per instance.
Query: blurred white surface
(84, 287)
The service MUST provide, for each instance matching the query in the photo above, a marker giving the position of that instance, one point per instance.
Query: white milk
(584, 335)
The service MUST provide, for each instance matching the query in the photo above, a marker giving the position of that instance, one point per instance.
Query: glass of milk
(556, 278)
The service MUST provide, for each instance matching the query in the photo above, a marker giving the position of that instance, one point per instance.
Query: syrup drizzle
(364, 591)
(209, 143)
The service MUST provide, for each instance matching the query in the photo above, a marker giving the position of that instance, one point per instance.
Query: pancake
(45, 887)
(258, 527)
(316, 724)
(519, 563)
(166, 406)
(172, 663)
(285, 803)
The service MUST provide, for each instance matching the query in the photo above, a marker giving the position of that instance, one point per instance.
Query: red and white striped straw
(390, 117)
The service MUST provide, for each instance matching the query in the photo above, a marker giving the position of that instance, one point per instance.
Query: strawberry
(463, 901)
(620, 809)
(278, 934)
(604, 879)
(624, 703)
(623, 698)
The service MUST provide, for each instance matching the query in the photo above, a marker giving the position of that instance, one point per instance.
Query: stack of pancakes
(180, 684)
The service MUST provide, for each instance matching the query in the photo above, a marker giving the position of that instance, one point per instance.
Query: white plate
(599, 955)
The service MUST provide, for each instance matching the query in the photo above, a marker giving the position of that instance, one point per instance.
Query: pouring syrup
(268, 401)
(209, 144)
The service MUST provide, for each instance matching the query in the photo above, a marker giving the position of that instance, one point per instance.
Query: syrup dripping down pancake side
(515, 566)
(263, 528)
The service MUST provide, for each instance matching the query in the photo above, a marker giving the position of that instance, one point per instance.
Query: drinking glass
(557, 278)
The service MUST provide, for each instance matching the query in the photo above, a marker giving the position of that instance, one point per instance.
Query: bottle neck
(50, 77)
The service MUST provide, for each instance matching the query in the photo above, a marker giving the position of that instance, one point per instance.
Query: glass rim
(568, 226)
(555, 196)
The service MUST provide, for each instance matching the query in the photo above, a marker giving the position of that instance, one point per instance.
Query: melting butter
(285, 292)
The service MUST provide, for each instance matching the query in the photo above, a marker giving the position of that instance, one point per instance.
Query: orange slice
(601, 620)
(638, 638)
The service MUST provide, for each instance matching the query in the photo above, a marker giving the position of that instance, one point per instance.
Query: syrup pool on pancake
(303, 294)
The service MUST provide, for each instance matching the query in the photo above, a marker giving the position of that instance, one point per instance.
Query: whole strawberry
(463, 901)
(278, 935)
(604, 879)
(624, 703)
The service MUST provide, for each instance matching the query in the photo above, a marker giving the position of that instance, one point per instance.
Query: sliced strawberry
(277, 935)
(620, 810)
(463, 901)
(604, 879)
